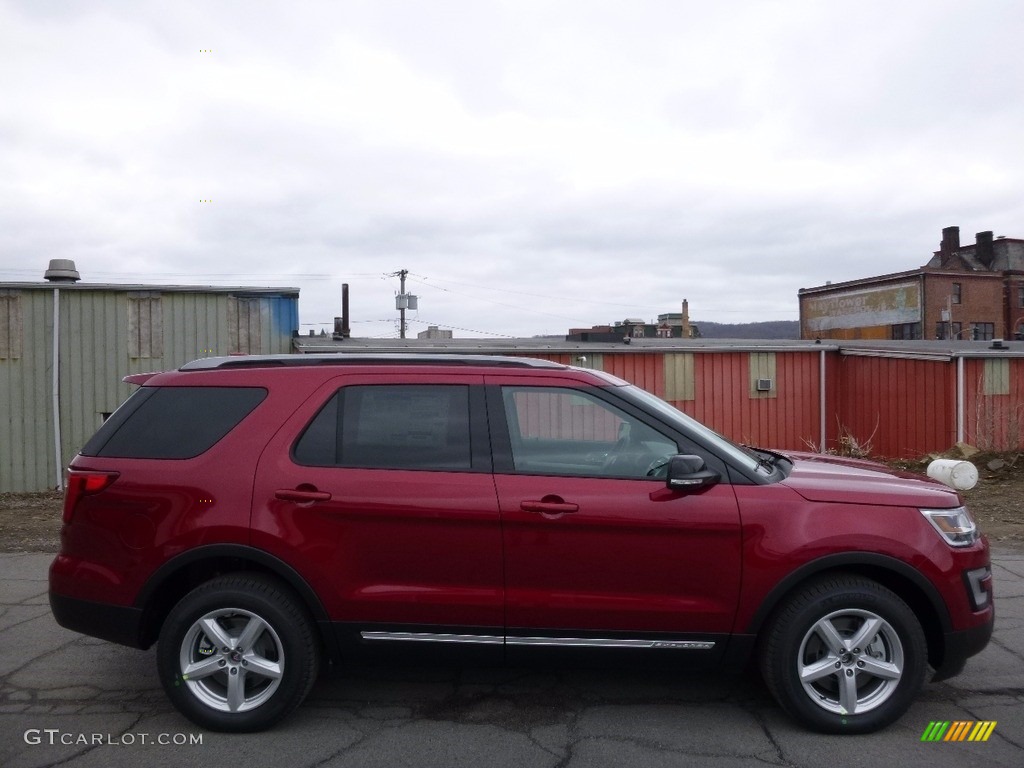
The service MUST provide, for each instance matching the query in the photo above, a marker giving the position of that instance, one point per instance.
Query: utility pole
(401, 277)
(403, 300)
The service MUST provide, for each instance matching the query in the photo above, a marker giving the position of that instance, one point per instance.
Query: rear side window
(393, 426)
(173, 422)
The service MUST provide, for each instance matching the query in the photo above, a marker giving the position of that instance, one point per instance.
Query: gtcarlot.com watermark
(55, 736)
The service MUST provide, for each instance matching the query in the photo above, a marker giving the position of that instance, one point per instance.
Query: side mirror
(689, 473)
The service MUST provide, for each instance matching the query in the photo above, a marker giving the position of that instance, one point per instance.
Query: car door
(379, 491)
(594, 540)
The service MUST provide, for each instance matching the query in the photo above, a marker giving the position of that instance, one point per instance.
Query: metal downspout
(960, 399)
(59, 468)
(821, 401)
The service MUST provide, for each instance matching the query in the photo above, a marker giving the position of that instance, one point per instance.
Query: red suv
(262, 516)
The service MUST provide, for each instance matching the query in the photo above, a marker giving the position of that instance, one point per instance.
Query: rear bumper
(960, 646)
(116, 623)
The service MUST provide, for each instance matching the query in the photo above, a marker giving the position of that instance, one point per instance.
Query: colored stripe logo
(958, 730)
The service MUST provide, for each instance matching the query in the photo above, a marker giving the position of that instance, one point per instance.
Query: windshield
(724, 447)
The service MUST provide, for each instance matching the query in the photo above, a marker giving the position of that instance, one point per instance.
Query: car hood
(819, 477)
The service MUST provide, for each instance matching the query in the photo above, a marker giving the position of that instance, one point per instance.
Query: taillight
(84, 484)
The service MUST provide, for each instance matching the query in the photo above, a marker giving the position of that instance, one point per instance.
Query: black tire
(232, 687)
(857, 643)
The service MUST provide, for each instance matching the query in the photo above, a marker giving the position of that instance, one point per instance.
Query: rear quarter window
(173, 422)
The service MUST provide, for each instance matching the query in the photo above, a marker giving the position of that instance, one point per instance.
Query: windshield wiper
(765, 459)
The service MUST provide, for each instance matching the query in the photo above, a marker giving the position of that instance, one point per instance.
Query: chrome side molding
(565, 642)
(433, 637)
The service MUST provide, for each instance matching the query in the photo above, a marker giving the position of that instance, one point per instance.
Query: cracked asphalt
(74, 701)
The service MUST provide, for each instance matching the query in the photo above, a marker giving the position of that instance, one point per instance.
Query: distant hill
(771, 329)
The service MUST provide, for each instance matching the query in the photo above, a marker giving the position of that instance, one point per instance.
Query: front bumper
(960, 646)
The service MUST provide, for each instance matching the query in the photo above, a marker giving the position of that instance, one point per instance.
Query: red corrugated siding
(647, 371)
(797, 419)
(723, 401)
(833, 400)
(789, 421)
(721, 385)
(905, 408)
(900, 407)
(993, 421)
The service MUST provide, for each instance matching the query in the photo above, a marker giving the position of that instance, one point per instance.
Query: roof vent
(62, 271)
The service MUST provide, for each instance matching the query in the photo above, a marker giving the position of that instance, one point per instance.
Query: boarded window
(145, 325)
(245, 326)
(11, 325)
(997, 376)
(762, 375)
(679, 377)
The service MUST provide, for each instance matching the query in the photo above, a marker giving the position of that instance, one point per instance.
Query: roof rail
(272, 361)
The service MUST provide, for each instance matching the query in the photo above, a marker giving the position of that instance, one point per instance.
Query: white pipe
(56, 390)
(960, 399)
(821, 401)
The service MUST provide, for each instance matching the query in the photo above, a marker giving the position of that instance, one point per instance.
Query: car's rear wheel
(237, 653)
(844, 655)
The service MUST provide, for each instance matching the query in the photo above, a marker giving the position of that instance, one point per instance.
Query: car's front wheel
(844, 655)
(237, 653)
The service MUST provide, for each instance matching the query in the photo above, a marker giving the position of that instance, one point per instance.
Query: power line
(518, 307)
(525, 293)
(647, 309)
(459, 328)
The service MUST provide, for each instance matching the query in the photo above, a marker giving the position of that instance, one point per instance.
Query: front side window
(393, 426)
(955, 294)
(563, 431)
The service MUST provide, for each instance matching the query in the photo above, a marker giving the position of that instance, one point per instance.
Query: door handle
(301, 495)
(548, 507)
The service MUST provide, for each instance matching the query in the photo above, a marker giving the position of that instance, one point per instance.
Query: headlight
(956, 526)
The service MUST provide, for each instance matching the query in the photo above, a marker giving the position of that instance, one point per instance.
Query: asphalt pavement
(75, 701)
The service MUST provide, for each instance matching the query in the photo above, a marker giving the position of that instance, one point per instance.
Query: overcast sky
(534, 164)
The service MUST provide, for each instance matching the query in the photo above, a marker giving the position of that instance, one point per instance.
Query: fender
(144, 601)
(851, 560)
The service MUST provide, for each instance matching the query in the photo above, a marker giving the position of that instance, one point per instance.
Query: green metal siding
(26, 423)
(96, 353)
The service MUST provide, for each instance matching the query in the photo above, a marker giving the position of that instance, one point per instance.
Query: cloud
(536, 166)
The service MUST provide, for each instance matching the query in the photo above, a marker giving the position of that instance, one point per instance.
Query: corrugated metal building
(895, 399)
(65, 346)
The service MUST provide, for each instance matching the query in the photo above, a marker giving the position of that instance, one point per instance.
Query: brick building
(670, 325)
(433, 333)
(969, 292)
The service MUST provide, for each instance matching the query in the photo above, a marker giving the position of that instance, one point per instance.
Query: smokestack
(341, 324)
(950, 244)
(983, 251)
(346, 331)
(686, 319)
